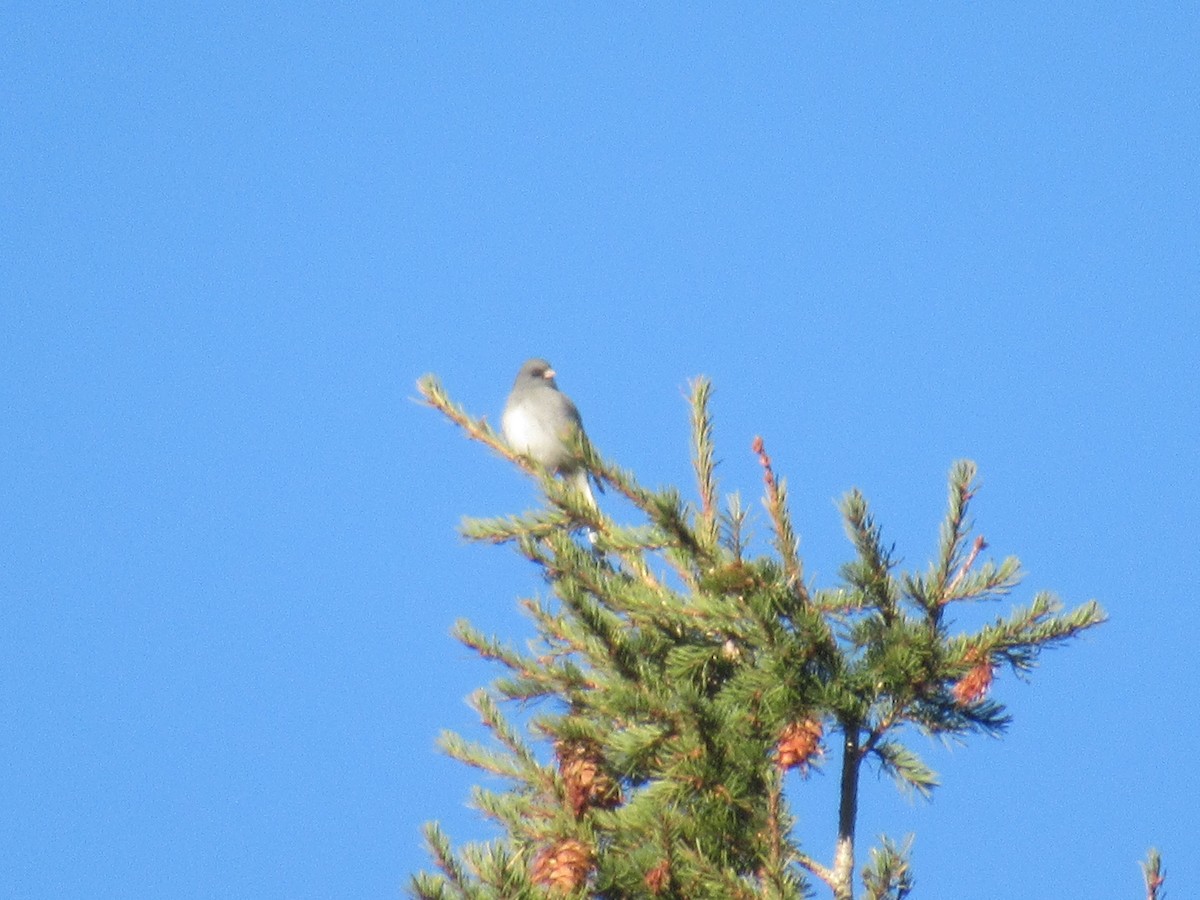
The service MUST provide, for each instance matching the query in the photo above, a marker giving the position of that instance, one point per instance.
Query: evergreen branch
(536, 677)
(572, 567)
(633, 748)
(1153, 874)
(523, 812)
(705, 871)
(624, 482)
(1019, 639)
(503, 809)
(918, 589)
(443, 856)
(638, 538)
(905, 768)
(704, 462)
(702, 664)
(500, 530)
(721, 600)
(775, 865)
(618, 541)
(888, 876)
(476, 428)
(635, 564)
(526, 688)
(838, 603)
(490, 715)
(570, 728)
(613, 645)
(477, 756)
(787, 544)
(992, 581)
(424, 886)
(503, 872)
(733, 526)
(666, 511)
(555, 629)
(566, 558)
(491, 648)
(950, 717)
(954, 527)
(871, 572)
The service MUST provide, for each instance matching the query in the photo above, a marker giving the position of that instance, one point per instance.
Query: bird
(541, 422)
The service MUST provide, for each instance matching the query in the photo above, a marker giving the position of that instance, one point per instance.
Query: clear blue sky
(893, 236)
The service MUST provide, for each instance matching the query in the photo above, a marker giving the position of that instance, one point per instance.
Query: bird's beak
(548, 374)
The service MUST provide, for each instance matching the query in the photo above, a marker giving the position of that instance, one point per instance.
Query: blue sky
(893, 237)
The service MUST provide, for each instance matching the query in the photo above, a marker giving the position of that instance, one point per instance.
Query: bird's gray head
(536, 369)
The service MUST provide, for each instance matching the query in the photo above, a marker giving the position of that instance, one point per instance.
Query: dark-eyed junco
(541, 422)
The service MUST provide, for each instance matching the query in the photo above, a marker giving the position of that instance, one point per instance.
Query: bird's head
(537, 369)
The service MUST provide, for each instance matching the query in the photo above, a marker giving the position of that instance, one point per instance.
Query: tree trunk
(843, 860)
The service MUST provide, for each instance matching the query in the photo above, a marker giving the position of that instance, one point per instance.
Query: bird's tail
(580, 481)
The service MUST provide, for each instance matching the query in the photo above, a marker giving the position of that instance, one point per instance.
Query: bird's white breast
(534, 436)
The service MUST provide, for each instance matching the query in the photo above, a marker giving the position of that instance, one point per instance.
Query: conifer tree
(679, 679)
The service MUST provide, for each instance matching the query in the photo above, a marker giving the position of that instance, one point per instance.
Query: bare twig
(979, 546)
(786, 541)
(823, 872)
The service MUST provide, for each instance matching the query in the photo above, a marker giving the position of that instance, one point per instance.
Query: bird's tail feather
(580, 481)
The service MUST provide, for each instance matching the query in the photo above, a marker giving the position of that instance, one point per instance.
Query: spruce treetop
(677, 680)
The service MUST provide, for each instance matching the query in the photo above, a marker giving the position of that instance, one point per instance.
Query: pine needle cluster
(676, 681)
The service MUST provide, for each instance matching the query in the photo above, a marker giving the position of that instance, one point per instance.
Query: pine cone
(799, 744)
(581, 765)
(658, 877)
(562, 867)
(975, 684)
